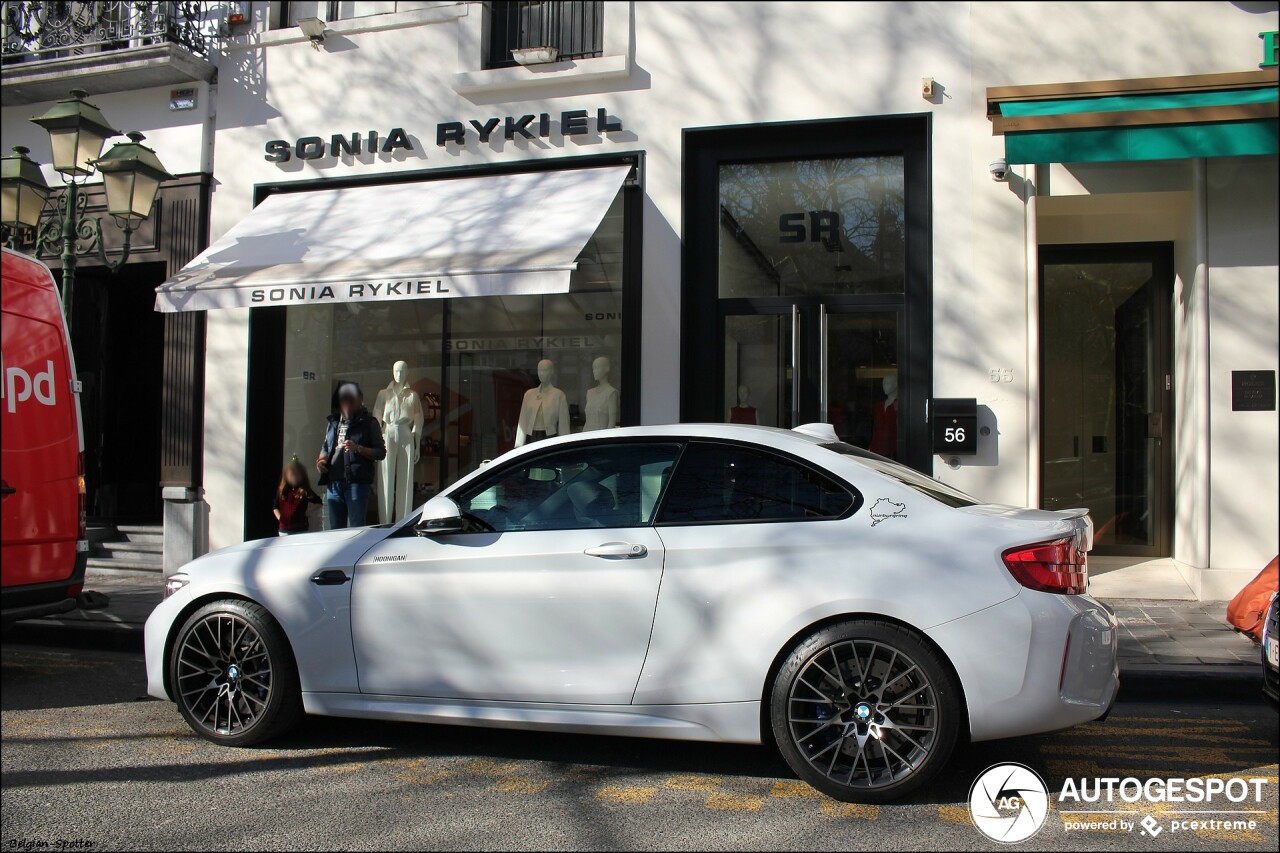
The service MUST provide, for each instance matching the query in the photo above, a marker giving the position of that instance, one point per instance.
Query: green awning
(1163, 126)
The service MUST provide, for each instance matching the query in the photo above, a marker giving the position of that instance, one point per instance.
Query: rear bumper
(1035, 663)
(31, 601)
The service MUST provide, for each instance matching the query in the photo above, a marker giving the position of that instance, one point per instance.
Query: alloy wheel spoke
(900, 676)
(224, 704)
(878, 668)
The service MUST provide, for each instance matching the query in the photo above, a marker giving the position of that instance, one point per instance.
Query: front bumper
(1037, 662)
(156, 637)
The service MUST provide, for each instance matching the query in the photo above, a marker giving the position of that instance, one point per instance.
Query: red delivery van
(43, 541)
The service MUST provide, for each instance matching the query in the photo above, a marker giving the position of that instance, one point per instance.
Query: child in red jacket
(293, 496)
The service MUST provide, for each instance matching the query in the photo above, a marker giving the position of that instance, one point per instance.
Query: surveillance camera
(999, 169)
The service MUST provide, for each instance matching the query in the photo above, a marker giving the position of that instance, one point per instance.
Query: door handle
(795, 366)
(330, 577)
(822, 365)
(7, 490)
(617, 550)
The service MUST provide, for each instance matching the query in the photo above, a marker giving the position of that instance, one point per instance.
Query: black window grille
(575, 29)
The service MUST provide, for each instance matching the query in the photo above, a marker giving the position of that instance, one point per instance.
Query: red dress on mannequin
(884, 428)
(742, 415)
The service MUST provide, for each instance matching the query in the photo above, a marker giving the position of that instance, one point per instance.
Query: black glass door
(1107, 400)
(806, 279)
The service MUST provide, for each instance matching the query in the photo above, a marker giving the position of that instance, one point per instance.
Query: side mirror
(440, 517)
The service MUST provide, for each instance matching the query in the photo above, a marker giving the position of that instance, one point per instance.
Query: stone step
(149, 546)
(141, 528)
(131, 562)
(101, 533)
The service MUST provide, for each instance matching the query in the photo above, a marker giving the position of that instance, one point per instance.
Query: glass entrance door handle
(1155, 424)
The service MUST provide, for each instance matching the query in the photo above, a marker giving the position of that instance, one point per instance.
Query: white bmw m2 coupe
(701, 582)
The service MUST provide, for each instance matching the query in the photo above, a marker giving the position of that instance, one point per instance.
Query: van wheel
(233, 674)
(865, 711)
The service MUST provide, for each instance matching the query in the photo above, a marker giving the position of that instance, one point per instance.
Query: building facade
(149, 67)
(1029, 254)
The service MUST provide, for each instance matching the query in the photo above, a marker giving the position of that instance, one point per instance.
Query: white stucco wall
(183, 139)
(709, 63)
(1244, 302)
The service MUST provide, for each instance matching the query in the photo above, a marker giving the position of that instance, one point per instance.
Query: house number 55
(1001, 374)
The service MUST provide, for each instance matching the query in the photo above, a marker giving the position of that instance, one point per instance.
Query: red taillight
(82, 530)
(1057, 566)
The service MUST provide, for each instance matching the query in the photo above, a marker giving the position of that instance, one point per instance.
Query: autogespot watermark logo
(1191, 804)
(1009, 803)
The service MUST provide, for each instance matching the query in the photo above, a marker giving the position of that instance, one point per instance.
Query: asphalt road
(86, 762)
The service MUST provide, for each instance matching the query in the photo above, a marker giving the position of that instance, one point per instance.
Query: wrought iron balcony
(36, 31)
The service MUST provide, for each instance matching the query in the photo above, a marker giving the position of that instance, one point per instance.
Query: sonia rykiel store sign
(530, 126)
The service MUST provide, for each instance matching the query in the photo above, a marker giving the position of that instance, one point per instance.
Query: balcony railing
(576, 29)
(53, 30)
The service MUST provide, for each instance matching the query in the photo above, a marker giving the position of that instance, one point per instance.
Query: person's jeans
(347, 503)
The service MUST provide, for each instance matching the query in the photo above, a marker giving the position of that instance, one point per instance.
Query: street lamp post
(131, 176)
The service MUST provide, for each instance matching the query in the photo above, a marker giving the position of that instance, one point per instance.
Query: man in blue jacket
(352, 444)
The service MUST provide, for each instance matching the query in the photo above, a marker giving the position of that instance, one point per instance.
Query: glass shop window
(487, 373)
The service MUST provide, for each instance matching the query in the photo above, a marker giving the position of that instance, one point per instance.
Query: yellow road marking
(955, 814)
(1174, 732)
(831, 808)
(489, 767)
(1185, 754)
(338, 769)
(722, 801)
(787, 788)
(520, 785)
(631, 795)
(692, 783)
(1060, 767)
(418, 771)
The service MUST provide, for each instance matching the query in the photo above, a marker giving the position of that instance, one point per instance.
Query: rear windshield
(910, 477)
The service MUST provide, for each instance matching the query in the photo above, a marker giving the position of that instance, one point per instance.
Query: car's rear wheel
(865, 711)
(233, 674)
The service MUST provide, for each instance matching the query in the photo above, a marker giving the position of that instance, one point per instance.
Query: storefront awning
(1214, 115)
(496, 235)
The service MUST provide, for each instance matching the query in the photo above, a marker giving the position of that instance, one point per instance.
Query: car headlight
(173, 583)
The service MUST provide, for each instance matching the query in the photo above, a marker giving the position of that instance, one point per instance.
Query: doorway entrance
(1106, 404)
(118, 340)
(807, 280)
(814, 361)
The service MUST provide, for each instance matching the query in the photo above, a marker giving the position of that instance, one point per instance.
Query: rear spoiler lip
(1075, 515)
(1081, 512)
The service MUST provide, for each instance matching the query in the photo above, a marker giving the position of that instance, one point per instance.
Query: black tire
(232, 673)
(886, 711)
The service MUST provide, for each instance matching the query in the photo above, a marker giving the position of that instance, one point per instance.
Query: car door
(752, 536)
(549, 599)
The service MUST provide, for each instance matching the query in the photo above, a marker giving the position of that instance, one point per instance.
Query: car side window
(718, 483)
(615, 484)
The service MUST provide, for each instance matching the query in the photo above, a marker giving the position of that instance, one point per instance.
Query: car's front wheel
(233, 675)
(865, 711)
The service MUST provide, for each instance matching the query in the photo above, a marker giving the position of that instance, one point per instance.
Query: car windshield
(910, 477)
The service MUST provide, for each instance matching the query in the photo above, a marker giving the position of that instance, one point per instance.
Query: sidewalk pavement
(1166, 646)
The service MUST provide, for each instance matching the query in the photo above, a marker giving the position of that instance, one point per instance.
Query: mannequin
(884, 420)
(744, 412)
(376, 411)
(399, 410)
(602, 400)
(545, 410)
